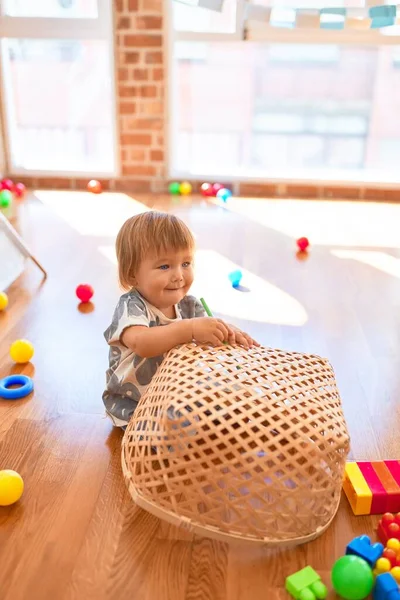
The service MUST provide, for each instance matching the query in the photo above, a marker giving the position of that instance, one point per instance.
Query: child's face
(165, 280)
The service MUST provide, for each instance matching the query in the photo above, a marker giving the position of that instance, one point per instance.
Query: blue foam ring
(24, 381)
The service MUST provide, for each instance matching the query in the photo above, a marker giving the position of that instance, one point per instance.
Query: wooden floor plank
(76, 534)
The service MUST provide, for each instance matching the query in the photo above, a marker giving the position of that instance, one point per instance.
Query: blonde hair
(151, 231)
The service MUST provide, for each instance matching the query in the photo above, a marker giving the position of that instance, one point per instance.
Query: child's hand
(241, 338)
(212, 331)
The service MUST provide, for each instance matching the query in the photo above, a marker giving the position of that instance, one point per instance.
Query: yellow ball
(3, 300)
(383, 565)
(396, 573)
(393, 544)
(21, 351)
(11, 487)
(185, 188)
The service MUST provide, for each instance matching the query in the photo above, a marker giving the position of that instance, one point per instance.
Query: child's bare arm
(154, 341)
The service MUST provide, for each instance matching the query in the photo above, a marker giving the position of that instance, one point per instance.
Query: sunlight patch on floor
(109, 252)
(325, 222)
(379, 260)
(90, 214)
(264, 302)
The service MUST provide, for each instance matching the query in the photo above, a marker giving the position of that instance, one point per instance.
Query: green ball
(174, 188)
(5, 198)
(352, 577)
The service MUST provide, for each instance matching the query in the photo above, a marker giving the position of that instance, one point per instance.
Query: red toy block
(373, 487)
(389, 527)
(379, 494)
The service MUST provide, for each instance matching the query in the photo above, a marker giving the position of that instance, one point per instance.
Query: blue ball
(235, 278)
(224, 194)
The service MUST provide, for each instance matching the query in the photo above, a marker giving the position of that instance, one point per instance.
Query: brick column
(140, 72)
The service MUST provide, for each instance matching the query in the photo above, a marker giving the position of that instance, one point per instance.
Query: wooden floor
(76, 534)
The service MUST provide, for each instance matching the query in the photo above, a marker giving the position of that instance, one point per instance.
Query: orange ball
(94, 186)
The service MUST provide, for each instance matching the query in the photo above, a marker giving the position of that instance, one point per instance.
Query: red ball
(84, 292)
(206, 189)
(7, 184)
(216, 187)
(303, 243)
(94, 186)
(390, 555)
(19, 190)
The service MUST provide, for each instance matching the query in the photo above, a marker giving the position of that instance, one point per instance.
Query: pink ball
(216, 187)
(19, 190)
(206, 189)
(302, 243)
(84, 292)
(7, 184)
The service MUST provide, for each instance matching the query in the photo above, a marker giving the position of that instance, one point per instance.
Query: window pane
(251, 109)
(80, 9)
(194, 18)
(60, 105)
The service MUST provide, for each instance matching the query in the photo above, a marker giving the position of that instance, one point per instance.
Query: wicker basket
(237, 444)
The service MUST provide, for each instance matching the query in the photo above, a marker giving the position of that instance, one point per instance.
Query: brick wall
(140, 65)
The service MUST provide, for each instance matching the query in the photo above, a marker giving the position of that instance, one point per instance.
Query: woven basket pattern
(239, 444)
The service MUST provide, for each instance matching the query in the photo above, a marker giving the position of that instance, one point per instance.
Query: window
(287, 109)
(190, 17)
(58, 86)
(78, 9)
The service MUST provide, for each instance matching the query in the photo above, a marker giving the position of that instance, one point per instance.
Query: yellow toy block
(357, 490)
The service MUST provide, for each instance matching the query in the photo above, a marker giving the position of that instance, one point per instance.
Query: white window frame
(98, 28)
(261, 31)
(342, 37)
(194, 36)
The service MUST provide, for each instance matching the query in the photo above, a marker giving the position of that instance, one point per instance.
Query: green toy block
(306, 585)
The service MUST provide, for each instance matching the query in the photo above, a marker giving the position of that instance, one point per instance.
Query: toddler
(155, 253)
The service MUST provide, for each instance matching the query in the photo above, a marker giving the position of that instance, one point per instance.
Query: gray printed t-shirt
(128, 374)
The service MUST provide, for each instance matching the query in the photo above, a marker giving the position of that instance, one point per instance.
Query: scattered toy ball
(19, 190)
(216, 187)
(94, 186)
(224, 194)
(235, 278)
(84, 292)
(7, 184)
(302, 243)
(3, 300)
(11, 487)
(206, 189)
(174, 188)
(185, 188)
(5, 198)
(21, 351)
(352, 577)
